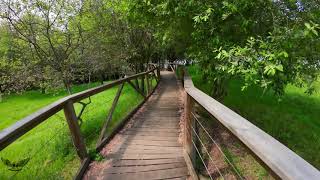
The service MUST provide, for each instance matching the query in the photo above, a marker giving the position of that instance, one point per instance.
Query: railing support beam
(148, 84)
(110, 114)
(75, 130)
(142, 85)
(189, 122)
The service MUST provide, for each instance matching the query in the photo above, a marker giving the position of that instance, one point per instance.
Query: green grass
(48, 147)
(294, 120)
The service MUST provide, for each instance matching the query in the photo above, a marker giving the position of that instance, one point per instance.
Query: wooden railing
(277, 158)
(12, 133)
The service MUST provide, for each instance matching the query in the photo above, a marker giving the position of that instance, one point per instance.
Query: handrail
(283, 162)
(10, 134)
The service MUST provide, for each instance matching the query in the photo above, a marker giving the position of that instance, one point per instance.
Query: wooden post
(137, 82)
(75, 130)
(148, 84)
(158, 72)
(182, 75)
(188, 132)
(142, 84)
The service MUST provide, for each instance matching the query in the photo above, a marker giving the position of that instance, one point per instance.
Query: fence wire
(217, 145)
(204, 164)
(41, 148)
(202, 144)
(83, 112)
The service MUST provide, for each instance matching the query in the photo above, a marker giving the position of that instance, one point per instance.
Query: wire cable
(202, 144)
(229, 162)
(41, 148)
(204, 164)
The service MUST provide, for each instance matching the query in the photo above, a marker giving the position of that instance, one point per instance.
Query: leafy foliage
(268, 43)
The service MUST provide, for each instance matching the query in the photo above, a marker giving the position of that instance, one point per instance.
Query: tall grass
(48, 148)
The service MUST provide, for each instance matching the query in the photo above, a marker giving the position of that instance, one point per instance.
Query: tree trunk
(219, 89)
(101, 78)
(43, 89)
(67, 85)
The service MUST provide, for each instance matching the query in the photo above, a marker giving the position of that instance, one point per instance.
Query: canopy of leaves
(270, 43)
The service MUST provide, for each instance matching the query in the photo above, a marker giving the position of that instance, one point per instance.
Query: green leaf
(284, 54)
(197, 19)
(218, 56)
(279, 68)
(307, 25)
(314, 31)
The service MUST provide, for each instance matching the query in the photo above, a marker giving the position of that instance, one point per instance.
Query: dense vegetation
(48, 45)
(266, 43)
(294, 120)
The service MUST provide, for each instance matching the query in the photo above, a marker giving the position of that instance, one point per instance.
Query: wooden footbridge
(150, 148)
(158, 139)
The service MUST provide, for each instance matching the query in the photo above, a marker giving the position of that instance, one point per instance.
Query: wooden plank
(149, 147)
(109, 117)
(156, 131)
(151, 133)
(147, 162)
(134, 169)
(156, 126)
(170, 124)
(159, 122)
(122, 123)
(280, 159)
(157, 143)
(149, 151)
(148, 156)
(136, 129)
(176, 121)
(152, 175)
(144, 117)
(154, 138)
(75, 130)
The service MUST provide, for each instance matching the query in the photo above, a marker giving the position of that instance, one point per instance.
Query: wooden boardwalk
(150, 148)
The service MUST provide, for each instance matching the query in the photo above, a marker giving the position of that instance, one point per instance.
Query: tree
(52, 30)
(267, 43)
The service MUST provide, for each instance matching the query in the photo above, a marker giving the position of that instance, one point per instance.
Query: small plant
(96, 156)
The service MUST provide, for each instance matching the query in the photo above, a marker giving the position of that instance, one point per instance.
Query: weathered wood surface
(150, 148)
(280, 159)
(75, 130)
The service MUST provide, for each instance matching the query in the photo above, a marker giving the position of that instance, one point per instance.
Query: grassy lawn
(48, 149)
(294, 120)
